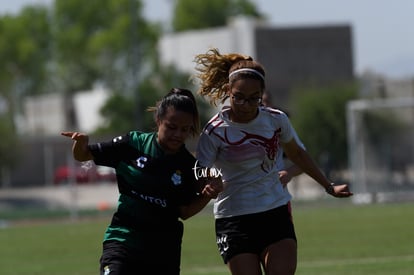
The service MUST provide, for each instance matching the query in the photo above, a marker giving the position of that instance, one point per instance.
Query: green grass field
(332, 238)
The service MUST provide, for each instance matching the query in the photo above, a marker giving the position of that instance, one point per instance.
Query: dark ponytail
(181, 100)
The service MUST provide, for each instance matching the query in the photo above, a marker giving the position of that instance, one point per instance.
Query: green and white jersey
(152, 184)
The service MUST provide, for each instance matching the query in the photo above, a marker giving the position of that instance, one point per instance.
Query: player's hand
(284, 177)
(213, 187)
(340, 191)
(80, 145)
(80, 137)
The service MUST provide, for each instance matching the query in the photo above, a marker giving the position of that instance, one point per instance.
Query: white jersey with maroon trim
(246, 154)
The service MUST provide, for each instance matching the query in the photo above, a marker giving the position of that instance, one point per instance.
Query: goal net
(381, 149)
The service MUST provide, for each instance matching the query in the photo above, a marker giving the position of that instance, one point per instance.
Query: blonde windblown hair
(213, 70)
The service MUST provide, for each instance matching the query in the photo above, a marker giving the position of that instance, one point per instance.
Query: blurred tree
(105, 41)
(9, 146)
(71, 47)
(319, 116)
(118, 111)
(24, 53)
(78, 44)
(155, 87)
(200, 14)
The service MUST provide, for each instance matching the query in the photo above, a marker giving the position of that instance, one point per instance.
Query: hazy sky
(383, 31)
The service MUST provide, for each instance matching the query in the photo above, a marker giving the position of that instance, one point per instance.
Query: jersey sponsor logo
(205, 172)
(150, 199)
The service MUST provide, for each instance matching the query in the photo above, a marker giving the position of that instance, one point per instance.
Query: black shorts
(252, 233)
(158, 255)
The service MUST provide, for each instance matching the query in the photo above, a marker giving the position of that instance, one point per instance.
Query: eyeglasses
(240, 100)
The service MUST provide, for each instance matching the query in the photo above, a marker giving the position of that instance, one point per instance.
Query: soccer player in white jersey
(254, 226)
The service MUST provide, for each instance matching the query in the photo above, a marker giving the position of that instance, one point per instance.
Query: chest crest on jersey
(176, 177)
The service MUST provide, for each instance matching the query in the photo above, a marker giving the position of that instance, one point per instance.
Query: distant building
(374, 85)
(291, 55)
(48, 115)
(87, 106)
(44, 115)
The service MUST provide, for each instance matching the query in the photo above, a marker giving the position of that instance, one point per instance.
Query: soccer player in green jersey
(158, 185)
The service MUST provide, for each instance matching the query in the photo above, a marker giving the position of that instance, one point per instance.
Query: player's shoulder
(138, 135)
(215, 122)
(140, 140)
(269, 111)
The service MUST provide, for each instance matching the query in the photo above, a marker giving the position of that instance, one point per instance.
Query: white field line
(328, 263)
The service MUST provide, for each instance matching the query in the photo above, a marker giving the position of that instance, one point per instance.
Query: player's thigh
(245, 264)
(280, 257)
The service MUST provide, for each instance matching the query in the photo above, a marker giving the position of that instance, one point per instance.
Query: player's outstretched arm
(301, 158)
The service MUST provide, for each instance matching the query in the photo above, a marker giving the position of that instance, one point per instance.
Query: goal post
(381, 149)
